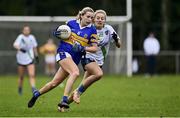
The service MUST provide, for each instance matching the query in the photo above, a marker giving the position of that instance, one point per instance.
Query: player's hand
(118, 44)
(78, 48)
(56, 33)
(36, 59)
(23, 50)
(115, 37)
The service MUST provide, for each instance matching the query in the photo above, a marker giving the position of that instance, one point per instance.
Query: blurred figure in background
(49, 52)
(27, 54)
(151, 49)
(135, 66)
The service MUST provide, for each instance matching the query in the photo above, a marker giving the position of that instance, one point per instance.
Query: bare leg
(70, 98)
(52, 68)
(31, 73)
(94, 73)
(58, 78)
(47, 69)
(69, 66)
(21, 70)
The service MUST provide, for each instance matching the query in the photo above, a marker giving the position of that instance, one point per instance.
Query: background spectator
(151, 49)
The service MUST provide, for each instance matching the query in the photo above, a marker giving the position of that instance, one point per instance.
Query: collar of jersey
(78, 21)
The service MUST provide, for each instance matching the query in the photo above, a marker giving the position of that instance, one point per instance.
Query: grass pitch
(113, 96)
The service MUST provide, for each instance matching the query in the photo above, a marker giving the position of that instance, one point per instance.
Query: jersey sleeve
(111, 30)
(18, 40)
(94, 36)
(67, 23)
(70, 23)
(34, 41)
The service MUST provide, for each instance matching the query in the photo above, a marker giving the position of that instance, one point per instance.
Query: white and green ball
(65, 32)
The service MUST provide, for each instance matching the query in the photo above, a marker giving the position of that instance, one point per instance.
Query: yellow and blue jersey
(84, 35)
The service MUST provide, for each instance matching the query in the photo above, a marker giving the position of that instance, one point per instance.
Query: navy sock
(65, 99)
(81, 89)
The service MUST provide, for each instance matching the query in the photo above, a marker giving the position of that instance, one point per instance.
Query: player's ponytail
(79, 15)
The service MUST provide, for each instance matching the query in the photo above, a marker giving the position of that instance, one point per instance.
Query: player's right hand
(78, 48)
(23, 50)
(115, 37)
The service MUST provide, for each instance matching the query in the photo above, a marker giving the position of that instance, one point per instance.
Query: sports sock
(33, 89)
(20, 90)
(81, 89)
(65, 99)
(36, 93)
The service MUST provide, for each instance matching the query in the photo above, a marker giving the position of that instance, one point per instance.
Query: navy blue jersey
(84, 35)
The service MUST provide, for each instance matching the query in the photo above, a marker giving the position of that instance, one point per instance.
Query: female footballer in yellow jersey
(69, 53)
(49, 52)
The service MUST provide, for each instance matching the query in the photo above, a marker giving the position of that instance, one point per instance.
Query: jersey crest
(106, 32)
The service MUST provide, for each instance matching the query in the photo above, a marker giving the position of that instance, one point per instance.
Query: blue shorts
(85, 61)
(65, 50)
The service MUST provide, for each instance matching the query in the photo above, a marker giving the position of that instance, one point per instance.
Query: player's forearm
(35, 52)
(118, 43)
(16, 47)
(92, 49)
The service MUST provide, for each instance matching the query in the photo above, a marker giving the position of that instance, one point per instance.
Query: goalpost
(119, 61)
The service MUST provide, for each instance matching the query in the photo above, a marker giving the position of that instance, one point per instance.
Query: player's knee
(75, 73)
(31, 76)
(99, 75)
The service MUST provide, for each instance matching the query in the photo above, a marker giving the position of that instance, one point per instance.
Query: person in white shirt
(26, 46)
(93, 62)
(151, 49)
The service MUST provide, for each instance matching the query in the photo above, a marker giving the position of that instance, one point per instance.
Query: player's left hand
(78, 48)
(115, 37)
(56, 33)
(118, 44)
(36, 59)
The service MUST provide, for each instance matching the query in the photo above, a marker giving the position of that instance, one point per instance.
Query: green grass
(113, 96)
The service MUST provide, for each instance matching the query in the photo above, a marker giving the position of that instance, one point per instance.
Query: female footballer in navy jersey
(69, 53)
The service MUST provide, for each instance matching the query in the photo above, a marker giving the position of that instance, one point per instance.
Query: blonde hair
(100, 11)
(83, 11)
